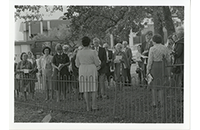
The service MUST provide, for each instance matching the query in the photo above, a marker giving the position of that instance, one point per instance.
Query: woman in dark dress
(60, 63)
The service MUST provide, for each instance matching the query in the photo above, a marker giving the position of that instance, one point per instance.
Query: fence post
(163, 80)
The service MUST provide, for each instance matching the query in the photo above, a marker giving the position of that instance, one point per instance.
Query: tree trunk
(158, 26)
(168, 20)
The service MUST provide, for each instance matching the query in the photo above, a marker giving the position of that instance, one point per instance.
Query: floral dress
(23, 76)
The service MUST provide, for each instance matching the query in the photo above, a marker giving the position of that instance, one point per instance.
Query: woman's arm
(54, 62)
(96, 59)
(39, 64)
(150, 60)
(77, 62)
(18, 69)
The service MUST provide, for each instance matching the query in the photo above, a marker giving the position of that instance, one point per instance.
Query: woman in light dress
(45, 67)
(157, 54)
(88, 62)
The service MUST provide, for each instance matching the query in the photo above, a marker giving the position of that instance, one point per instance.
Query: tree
(168, 20)
(158, 20)
(118, 20)
(62, 32)
(100, 20)
(33, 12)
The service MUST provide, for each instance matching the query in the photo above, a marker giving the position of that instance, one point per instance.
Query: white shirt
(45, 62)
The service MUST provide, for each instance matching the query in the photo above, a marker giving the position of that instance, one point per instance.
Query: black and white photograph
(105, 64)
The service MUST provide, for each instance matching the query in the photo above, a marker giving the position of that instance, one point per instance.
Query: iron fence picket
(132, 103)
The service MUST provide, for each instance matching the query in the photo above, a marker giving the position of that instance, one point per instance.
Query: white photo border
(49, 126)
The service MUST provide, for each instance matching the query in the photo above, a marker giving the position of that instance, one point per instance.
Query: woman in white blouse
(155, 67)
(45, 68)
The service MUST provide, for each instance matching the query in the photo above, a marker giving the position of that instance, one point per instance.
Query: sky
(19, 35)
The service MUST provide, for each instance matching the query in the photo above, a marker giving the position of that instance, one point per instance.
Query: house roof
(35, 25)
(36, 41)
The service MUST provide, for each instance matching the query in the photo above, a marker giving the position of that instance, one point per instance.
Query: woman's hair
(157, 38)
(180, 31)
(96, 40)
(150, 33)
(65, 47)
(58, 46)
(22, 55)
(118, 45)
(86, 41)
(46, 47)
(30, 53)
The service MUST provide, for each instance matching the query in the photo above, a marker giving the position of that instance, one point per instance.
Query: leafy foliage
(63, 32)
(99, 21)
(33, 12)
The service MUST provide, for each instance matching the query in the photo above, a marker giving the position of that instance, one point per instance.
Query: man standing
(147, 44)
(102, 70)
(109, 62)
(128, 53)
(179, 57)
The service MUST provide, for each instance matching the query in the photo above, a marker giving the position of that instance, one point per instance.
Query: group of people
(90, 65)
(161, 62)
(89, 62)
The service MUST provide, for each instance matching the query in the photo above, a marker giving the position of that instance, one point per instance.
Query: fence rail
(128, 102)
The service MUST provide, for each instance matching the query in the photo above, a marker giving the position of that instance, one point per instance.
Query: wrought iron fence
(128, 102)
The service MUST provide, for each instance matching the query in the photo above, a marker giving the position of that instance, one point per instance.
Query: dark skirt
(157, 73)
(60, 82)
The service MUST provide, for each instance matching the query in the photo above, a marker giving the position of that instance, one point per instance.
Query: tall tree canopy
(102, 20)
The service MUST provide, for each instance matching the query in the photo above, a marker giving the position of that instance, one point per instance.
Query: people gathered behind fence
(88, 62)
(89, 66)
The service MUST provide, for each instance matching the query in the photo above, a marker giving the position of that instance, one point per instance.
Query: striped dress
(87, 62)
